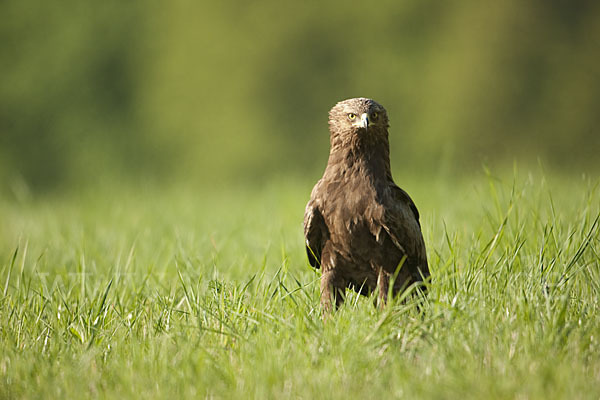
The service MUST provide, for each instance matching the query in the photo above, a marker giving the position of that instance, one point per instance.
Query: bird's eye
(374, 115)
(351, 116)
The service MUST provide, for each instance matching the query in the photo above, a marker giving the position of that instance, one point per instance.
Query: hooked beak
(364, 121)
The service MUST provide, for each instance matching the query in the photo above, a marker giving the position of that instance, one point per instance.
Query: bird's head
(358, 117)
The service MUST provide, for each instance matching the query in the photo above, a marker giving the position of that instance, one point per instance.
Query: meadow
(195, 292)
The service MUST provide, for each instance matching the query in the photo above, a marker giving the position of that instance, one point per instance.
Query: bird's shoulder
(311, 213)
(315, 201)
(401, 201)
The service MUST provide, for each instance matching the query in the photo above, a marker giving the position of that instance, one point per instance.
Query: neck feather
(368, 152)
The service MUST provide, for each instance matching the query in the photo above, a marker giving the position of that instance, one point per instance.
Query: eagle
(362, 230)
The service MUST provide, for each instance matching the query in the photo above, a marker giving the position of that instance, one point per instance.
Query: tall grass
(190, 294)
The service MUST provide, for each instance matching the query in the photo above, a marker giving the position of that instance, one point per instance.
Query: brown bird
(360, 228)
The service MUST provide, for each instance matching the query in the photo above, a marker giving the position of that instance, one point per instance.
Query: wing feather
(401, 222)
(314, 234)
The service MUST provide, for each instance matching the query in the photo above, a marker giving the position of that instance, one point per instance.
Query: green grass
(186, 293)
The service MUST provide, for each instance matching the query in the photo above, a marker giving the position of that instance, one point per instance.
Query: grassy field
(197, 293)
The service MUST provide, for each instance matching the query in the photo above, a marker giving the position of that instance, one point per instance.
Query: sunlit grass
(186, 294)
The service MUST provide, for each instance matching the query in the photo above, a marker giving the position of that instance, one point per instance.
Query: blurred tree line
(222, 90)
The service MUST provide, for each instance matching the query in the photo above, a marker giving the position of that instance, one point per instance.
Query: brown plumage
(359, 226)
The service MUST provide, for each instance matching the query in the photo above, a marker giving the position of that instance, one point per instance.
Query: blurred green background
(239, 91)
